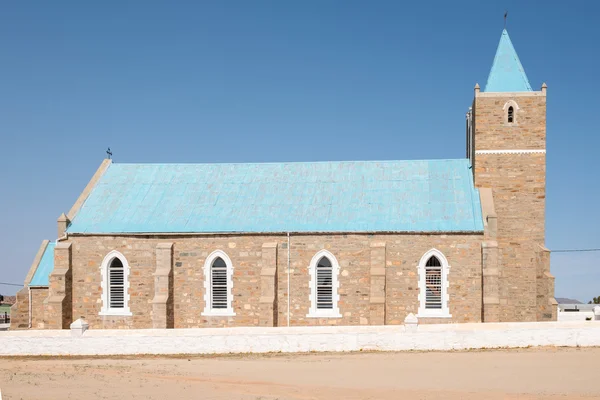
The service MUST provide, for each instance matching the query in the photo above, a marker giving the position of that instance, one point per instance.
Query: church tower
(506, 143)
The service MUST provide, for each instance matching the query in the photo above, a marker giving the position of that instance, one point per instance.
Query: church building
(313, 243)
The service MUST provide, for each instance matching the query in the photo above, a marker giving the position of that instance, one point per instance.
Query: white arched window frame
(506, 108)
(314, 311)
(424, 311)
(106, 285)
(208, 286)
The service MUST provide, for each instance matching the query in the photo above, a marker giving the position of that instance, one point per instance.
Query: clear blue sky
(282, 81)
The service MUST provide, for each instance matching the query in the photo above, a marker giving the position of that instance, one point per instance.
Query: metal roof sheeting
(45, 267)
(345, 196)
(507, 73)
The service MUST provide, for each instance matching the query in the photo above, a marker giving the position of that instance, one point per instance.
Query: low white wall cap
(79, 326)
(411, 319)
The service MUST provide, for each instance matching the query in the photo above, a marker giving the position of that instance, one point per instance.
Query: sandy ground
(500, 374)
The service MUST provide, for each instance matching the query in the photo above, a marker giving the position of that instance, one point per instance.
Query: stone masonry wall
(403, 253)
(353, 252)
(519, 187)
(494, 133)
(19, 312)
(88, 254)
(518, 183)
(546, 310)
(38, 296)
(58, 311)
(465, 276)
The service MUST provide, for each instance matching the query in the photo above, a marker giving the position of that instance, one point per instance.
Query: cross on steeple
(109, 153)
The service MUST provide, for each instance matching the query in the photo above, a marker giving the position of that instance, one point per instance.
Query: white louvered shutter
(116, 284)
(218, 276)
(433, 283)
(324, 284)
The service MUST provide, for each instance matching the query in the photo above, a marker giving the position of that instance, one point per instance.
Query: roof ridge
(300, 162)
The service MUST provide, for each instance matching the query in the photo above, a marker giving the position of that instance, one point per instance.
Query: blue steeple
(507, 73)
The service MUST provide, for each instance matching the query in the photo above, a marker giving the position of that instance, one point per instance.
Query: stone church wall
(396, 268)
(20, 310)
(38, 297)
(511, 160)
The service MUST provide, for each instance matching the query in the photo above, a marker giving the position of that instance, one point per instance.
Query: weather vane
(505, 15)
(109, 153)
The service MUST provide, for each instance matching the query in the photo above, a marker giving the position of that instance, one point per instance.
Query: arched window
(218, 282)
(218, 273)
(323, 271)
(510, 112)
(324, 284)
(433, 285)
(115, 285)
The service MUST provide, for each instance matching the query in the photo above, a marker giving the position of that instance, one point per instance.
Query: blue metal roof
(345, 196)
(45, 267)
(507, 73)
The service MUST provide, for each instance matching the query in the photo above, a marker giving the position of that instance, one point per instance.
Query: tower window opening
(511, 117)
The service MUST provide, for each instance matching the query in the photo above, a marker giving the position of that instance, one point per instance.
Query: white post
(411, 322)
(78, 327)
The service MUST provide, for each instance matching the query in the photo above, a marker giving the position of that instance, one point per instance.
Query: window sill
(218, 313)
(114, 313)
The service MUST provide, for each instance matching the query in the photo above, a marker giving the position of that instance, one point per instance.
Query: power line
(10, 284)
(573, 250)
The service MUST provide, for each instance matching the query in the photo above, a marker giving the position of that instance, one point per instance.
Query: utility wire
(10, 284)
(573, 250)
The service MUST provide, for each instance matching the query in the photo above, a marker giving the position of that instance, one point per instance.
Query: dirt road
(502, 374)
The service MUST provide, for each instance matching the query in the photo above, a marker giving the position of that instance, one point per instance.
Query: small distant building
(10, 300)
(314, 243)
(578, 312)
(5, 305)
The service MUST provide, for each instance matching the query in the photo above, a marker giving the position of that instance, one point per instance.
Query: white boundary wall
(590, 311)
(575, 316)
(300, 339)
